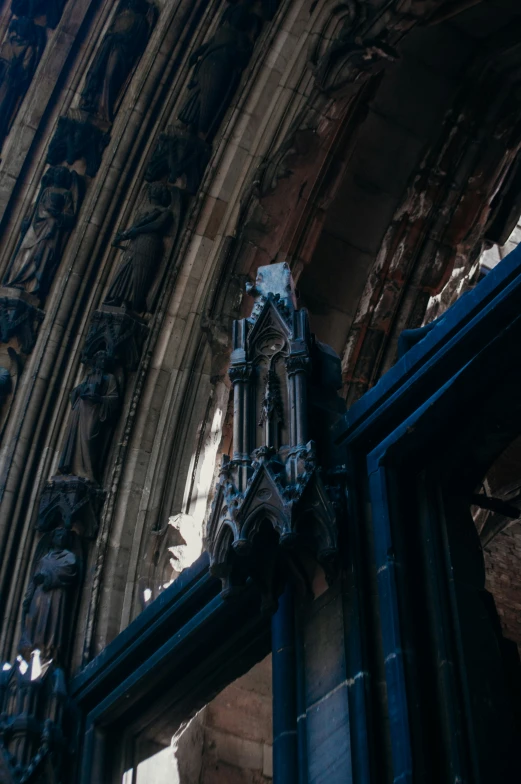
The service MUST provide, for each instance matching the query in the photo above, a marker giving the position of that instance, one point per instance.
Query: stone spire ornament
(281, 492)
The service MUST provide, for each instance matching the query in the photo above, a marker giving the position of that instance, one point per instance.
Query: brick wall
(503, 566)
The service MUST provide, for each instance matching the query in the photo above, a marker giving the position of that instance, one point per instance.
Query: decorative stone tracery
(281, 492)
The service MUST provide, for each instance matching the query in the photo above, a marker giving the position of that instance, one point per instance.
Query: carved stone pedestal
(20, 317)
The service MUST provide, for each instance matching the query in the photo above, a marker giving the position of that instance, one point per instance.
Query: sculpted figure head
(61, 539)
(101, 361)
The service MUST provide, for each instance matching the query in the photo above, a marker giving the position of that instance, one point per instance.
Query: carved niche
(121, 48)
(281, 492)
(45, 231)
(20, 54)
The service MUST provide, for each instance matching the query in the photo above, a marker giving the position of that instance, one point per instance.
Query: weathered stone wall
(502, 562)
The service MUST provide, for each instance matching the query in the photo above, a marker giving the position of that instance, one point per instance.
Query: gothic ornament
(359, 48)
(19, 318)
(70, 501)
(45, 232)
(34, 715)
(181, 157)
(50, 9)
(281, 492)
(119, 52)
(76, 139)
(218, 65)
(118, 333)
(19, 57)
(94, 403)
(143, 254)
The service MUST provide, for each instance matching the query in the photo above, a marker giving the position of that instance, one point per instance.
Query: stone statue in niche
(95, 403)
(180, 156)
(143, 253)
(47, 602)
(45, 232)
(19, 56)
(51, 9)
(219, 64)
(119, 52)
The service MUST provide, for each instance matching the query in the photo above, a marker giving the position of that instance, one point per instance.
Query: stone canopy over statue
(47, 603)
(95, 403)
(45, 232)
(51, 9)
(120, 49)
(143, 253)
(19, 56)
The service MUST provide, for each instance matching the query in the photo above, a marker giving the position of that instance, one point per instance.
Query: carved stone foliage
(282, 490)
(94, 406)
(78, 138)
(33, 9)
(35, 714)
(180, 157)
(119, 52)
(143, 252)
(45, 232)
(20, 54)
(19, 318)
(118, 333)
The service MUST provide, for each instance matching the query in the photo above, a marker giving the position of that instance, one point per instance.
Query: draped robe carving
(19, 57)
(122, 46)
(46, 604)
(94, 406)
(218, 67)
(44, 234)
(144, 252)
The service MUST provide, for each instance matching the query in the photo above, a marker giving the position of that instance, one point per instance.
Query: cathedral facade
(259, 413)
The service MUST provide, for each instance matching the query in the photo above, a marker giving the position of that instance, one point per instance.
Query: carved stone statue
(47, 601)
(143, 254)
(122, 46)
(95, 403)
(19, 57)
(51, 9)
(218, 67)
(45, 232)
